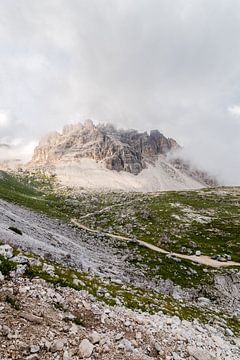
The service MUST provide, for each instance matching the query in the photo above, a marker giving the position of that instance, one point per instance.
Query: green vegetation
(35, 193)
(131, 296)
(6, 266)
(206, 220)
(39, 192)
(181, 272)
(183, 221)
(13, 302)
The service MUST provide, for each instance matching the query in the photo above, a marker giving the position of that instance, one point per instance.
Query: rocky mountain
(85, 155)
(120, 150)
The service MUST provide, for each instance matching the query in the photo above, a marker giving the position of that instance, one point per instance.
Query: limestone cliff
(85, 155)
(120, 150)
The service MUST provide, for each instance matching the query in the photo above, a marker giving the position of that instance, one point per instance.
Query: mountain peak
(104, 157)
(120, 150)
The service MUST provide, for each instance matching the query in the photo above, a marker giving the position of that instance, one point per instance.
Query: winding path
(97, 212)
(202, 259)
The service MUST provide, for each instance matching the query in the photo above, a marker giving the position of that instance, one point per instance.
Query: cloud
(18, 150)
(3, 119)
(234, 110)
(137, 63)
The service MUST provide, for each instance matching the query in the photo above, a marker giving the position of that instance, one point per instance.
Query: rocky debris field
(59, 241)
(40, 321)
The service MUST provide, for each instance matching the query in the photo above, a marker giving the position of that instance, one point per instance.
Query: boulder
(95, 337)
(200, 354)
(6, 251)
(58, 345)
(34, 349)
(49, 269)
(85, 349)
(21, 259)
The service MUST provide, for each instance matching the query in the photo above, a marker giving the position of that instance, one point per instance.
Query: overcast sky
(167, 64)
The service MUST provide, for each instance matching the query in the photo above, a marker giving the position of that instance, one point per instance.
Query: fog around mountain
(144, 64)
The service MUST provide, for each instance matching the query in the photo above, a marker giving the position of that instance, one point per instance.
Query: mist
(144, 64)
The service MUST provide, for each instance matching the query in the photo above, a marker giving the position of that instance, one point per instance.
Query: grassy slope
(208, 220)
(149, 215)
(39, 195)
(23, 191)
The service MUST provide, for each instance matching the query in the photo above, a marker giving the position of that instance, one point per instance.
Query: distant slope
(161, 176)
(13, 189)
(24, 191)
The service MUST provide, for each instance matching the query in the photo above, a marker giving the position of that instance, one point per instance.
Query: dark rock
(16, 230)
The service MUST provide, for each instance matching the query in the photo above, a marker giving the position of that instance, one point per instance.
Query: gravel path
(202, 259)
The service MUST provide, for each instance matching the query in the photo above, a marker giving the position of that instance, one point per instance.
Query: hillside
(85, 255)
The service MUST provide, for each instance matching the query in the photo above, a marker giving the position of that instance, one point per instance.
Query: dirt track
(202, 259)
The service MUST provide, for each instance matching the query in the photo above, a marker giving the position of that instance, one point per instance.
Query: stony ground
(39, 321)
(60, 241)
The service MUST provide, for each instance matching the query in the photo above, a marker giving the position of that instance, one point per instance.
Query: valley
(119, 180)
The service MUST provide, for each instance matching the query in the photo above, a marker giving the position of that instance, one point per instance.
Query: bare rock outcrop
(228, 289)
(85, 155)
(120, 150)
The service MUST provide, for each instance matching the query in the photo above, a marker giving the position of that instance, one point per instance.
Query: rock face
(100, 157)
(228, 289)
(120, 150)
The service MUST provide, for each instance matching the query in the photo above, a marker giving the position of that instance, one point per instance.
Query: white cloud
(26, 150)
(18, 150)
(171, 65)
(4, 120)
(234, 110)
